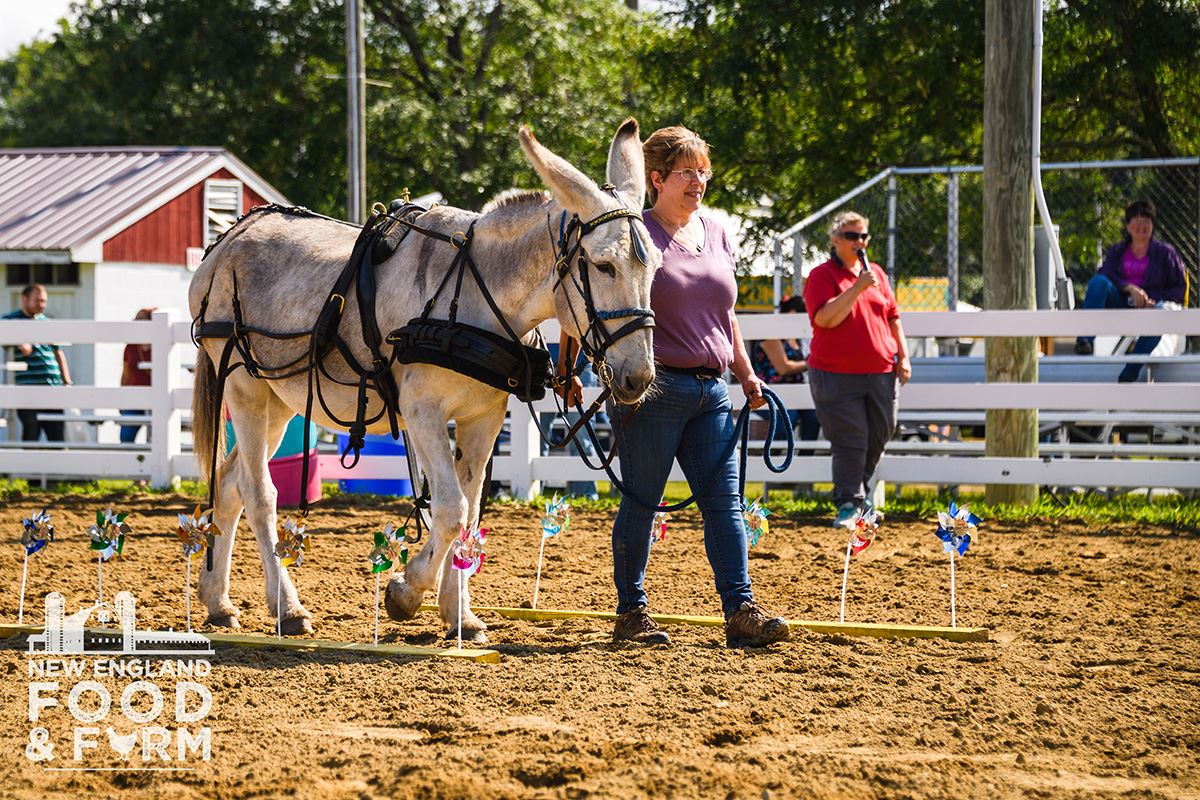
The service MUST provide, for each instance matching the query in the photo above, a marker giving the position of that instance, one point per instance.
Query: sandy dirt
(1089, 687)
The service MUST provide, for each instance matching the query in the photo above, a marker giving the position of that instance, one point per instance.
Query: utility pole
(356, 113)
(1008, 224)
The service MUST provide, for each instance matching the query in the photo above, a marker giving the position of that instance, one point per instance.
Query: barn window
(222, 207)
(45, 274)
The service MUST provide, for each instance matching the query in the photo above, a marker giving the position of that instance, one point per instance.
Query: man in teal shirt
(45, 365)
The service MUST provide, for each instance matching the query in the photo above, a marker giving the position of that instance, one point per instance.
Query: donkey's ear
(570, 187)
(626, 166)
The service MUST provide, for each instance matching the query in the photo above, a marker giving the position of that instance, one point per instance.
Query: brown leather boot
(749, 626)
(636, 626)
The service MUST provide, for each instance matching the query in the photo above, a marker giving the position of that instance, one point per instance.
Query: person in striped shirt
(45, 365)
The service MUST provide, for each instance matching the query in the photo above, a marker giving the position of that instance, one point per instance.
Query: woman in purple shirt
(1137, 272)
(688, 415)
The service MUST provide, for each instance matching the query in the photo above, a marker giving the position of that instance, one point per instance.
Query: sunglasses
(855, 236)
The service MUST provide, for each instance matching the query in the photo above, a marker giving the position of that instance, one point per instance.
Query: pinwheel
(466, 556)
(108, 540)
(556, 520)
(196, 534)
(36, 533)
(292, 544)
(658, 526)
(863, 526)
(954, 529)
(390, 546)
(756, 521)
(290, 550)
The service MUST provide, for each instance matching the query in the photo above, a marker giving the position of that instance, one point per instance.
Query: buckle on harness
(341, 301)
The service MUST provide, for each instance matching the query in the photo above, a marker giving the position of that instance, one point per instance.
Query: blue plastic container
(293, 438)
(376, 445)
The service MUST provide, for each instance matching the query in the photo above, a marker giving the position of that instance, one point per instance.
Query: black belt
(704, 373)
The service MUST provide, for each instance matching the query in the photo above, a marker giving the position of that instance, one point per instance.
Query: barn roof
(73, 198)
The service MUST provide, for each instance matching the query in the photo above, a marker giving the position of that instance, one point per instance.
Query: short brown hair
(666, 147)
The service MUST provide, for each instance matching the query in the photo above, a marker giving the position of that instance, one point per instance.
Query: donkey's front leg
(448, 508)
(474, 439)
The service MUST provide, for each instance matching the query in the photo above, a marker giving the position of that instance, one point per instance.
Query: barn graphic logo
(155, 678)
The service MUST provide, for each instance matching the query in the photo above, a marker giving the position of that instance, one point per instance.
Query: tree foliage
(799, 100)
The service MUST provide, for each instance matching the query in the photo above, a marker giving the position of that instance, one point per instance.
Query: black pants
(858, 415)
(31, 428)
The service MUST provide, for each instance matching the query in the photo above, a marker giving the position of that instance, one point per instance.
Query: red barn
(109, 230)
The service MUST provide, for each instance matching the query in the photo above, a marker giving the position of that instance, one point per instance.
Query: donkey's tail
(203, 421)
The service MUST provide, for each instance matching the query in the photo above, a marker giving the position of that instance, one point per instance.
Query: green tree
(246, 75)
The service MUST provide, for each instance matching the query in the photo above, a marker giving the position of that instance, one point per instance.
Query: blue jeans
(129, 430)
(1103, 293)
(689, 419)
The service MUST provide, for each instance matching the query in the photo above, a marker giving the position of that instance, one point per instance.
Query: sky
(26, 20)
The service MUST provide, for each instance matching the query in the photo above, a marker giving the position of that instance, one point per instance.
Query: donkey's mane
(515, 197)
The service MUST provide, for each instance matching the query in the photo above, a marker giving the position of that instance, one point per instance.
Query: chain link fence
(928, 225)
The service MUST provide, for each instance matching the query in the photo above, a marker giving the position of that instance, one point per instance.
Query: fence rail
(1174, 403)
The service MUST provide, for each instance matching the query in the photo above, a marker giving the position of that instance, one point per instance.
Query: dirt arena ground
(1089, 687)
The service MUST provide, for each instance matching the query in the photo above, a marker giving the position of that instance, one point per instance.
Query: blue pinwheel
(37, 533)
(955, 527)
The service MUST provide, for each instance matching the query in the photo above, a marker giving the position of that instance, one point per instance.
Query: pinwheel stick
(376, 608)
(538, 581)
(845, 575)
(460, 594)
(187, 590)
(21, 608)
(279, 603)
(100, 577)
(953, 616)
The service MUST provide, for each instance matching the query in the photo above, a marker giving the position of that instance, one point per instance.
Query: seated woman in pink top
(1137, 272)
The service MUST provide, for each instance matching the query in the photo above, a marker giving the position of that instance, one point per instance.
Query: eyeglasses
(689, 175)
(854, 236)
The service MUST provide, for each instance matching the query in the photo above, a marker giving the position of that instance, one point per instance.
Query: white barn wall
(121, 290)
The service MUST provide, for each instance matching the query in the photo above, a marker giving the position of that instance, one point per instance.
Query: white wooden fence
(167, 458)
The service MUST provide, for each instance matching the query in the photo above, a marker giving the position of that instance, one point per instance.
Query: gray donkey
(285, 266)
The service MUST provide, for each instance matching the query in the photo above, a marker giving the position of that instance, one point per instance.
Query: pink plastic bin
(285, 474)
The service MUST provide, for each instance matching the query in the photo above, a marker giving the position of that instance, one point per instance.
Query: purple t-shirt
(693, 296)
(1133, 269)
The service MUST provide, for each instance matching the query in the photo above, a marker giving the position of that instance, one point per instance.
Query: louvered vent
(222, 207)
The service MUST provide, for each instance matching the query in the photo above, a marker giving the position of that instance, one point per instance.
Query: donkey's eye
(606, 267)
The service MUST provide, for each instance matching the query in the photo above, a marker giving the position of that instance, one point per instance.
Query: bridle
(596, 339)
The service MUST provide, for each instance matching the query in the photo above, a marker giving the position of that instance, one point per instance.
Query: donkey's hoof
(401, 600)
(468, 635)
(296, 626)
(223, 619)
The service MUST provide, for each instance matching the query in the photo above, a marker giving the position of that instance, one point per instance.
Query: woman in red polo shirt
(858, 353)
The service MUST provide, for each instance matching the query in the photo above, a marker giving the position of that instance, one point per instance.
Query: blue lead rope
(777, 418)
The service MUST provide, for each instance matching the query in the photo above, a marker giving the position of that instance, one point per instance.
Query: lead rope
(777, 418)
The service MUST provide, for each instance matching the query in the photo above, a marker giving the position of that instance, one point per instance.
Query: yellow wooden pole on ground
(323, 645)
(871, 629)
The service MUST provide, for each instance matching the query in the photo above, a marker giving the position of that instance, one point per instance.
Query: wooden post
(165, 379)
(1008, 219)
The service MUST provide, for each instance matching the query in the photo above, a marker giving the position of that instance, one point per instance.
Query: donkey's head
(607, 264)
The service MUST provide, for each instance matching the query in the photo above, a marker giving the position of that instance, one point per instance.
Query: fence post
(952, 243)
(777, 280)
(165, 378)
(892, 191)
(797, 264)
(525, 446)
